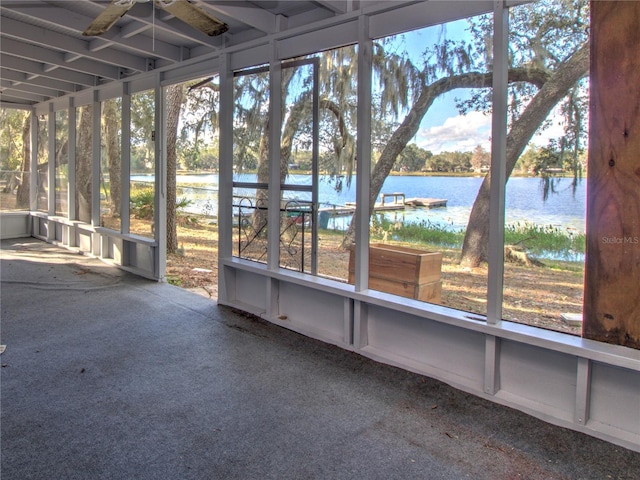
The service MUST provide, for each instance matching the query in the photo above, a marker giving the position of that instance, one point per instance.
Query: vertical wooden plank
(612, 274)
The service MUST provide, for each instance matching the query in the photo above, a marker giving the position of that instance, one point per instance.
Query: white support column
(491, 365)
(273, 213)
(51, 166)
(583, 391)
(72, 132)
(275, 122)
(225, 175)
(498, 161)
(160, 200)
(33, 162)
(360, 324)
(348, 321)
(125, 157)
(363, 155)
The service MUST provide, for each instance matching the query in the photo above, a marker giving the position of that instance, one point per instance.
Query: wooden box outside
(403, 271)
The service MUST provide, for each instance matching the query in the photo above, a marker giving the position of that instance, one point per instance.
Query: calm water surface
(524, 198)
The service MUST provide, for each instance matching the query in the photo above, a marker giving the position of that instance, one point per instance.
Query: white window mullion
(498, 162)
(125, 158)
(51, 166)
(71, 188)
(33, 163)
(95, 160)
(275, 122)
(160, 187)
(225, 179)
(363, 155)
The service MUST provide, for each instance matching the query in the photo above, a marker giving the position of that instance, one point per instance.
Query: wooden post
(612, 274)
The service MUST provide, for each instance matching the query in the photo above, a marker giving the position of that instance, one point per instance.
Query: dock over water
(427, 202)
(398, 202)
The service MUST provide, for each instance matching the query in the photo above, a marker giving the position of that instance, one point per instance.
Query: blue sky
(443, 127)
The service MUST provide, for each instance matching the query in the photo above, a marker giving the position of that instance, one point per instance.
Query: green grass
(538, 240)
(176, 281)
(142, 203)
(423, 232)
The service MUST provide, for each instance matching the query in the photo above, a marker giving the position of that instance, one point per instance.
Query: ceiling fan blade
(108, 17)
(194, 16)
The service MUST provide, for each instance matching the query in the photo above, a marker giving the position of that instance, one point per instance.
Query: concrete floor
(109, 376)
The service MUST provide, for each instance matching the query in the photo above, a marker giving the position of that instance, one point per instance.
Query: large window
(84, 146)
(15, 153)
(430, 231)
(62, 163)
(111, 164)
(142, 167)
(43, 163)
(546, 188)
(251, 163)
(430, 151)
(317, 160)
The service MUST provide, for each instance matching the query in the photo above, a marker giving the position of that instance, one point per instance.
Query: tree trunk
(22, 195)
(84, 161)
(475, 248)
(113, 155)
(174, 104)
(260, 215)
(407, 130)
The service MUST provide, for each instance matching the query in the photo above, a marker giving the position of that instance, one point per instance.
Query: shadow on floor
(109, 376)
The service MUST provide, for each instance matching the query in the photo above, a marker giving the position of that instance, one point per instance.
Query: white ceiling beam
(71, 57)
(134, 28)
(37, 68)
(52, 57)
(77, 23)
(166, 22)
(23, 87)
(336, 6)
(144, 45)
(311, 16)
(47, 38)
(6, 102)
(19, 77)
(246, 13)
(23, 95)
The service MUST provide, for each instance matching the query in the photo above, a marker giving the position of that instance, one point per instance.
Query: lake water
(524, 198)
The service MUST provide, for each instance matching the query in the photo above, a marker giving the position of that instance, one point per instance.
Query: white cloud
(462, 132)
(554, 131)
